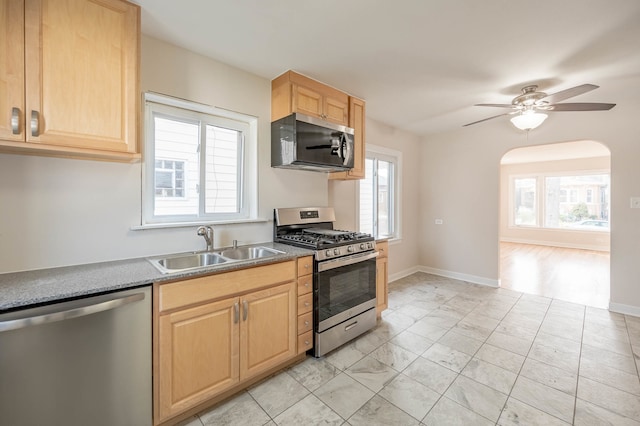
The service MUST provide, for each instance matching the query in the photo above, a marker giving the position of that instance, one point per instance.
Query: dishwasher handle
(66, 314)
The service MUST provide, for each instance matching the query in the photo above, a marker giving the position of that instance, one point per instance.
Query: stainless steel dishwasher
(80, 362)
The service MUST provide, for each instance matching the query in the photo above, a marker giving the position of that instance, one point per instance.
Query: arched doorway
(554, 221)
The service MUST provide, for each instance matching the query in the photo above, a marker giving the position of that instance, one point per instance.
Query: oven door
(344, 288)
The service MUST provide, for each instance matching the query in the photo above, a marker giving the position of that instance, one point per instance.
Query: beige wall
(460, 174)
(59, 212)
(403, 253)
(554, 237)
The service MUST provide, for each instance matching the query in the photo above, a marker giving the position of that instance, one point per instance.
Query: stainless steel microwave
(302, 142)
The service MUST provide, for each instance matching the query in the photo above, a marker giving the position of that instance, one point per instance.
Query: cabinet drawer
(197, 290)
(305, 285)
(305, 265)
(305, 342)
(305, 303)
(305, 322)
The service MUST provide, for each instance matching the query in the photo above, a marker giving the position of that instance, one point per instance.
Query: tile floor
(448, 352)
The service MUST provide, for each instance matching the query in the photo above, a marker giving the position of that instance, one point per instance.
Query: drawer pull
(306, 323)
(306, 304)
(306, 342)
(350, 326)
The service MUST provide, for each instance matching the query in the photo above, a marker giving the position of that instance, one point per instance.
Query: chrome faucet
(207, 233)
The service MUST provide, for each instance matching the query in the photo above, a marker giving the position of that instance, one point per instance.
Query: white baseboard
(447, 274)
(402, 274)
(624, 309)
(556, 244)
(613, 307)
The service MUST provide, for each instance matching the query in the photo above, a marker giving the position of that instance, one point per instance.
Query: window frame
(204, 115)
(394, 157)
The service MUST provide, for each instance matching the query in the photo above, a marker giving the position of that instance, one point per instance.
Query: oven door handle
(350, 260)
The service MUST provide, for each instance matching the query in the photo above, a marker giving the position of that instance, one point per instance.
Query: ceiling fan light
(528, 120)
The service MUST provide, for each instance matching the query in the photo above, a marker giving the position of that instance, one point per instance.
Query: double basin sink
(198, 260)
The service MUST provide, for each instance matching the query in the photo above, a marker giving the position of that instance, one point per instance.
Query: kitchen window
(379, 193)
(200, 163)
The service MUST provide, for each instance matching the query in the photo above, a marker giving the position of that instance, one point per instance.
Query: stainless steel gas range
(344, 273)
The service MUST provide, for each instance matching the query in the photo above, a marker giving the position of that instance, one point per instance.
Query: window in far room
(379, 192)
(561, 201)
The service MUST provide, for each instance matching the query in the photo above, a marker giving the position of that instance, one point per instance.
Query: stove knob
(327, 253)
(350, 249)
(336, 252)
(369, 245)
(362, 246)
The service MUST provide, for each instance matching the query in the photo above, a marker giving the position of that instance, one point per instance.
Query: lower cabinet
(204, 350)
(267, 329)
(382, 277)
(199, 354)
(305, 304)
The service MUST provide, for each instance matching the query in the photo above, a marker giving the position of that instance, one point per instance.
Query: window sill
(192, 224)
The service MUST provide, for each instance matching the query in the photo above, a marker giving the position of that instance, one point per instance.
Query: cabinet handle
(306, 323)
(306, 304)
(15, 120)
(307, 284)
(245, 310)
(35, 118)
(236, 312)
(306, 343)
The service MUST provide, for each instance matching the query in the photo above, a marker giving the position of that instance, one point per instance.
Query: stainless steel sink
(191, 261)
(247, 253)
(187, 261)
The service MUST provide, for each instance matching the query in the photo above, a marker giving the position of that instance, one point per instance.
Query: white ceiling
(419, 64)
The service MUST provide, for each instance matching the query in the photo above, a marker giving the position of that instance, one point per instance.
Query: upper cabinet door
(293, 92)
(12, 114)
(81, 73)
(307, 101)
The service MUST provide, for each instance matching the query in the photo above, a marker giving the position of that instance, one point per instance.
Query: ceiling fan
(529, 109)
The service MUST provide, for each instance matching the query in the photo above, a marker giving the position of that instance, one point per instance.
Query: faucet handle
(207, 233)
(235, 244)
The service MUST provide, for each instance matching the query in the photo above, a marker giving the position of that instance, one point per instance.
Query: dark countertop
(21, 289)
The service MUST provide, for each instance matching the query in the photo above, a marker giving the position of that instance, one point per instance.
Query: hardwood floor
(579, 276)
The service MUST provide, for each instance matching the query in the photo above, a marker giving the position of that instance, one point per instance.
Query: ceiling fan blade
(489, 118)
(568, 93)
(586, 106)
(496, 105)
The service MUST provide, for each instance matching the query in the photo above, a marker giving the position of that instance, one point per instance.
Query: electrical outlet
(635, 202)
(438, 221)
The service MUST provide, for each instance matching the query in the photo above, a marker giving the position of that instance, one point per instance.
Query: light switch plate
(635, 202)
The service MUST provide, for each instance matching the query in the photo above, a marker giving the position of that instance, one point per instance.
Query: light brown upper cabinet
(69, 78)
(356, 122)
(292, 92)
